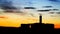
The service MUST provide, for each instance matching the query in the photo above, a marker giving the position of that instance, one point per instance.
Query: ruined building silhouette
(36, 27)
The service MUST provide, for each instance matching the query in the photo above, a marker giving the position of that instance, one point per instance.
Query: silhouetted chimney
(40, 17)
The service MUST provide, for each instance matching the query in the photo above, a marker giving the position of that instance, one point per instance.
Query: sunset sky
(38, 4)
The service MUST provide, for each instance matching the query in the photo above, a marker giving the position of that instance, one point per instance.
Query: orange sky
(52, 20)
(14, 20)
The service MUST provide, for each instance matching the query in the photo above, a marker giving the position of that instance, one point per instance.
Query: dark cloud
(46, 10)
(29, 8)
(43, 10)
(8, 7)
(55, 9)
(57, 12)
(47, 6)
(54, 0)
(5, 4)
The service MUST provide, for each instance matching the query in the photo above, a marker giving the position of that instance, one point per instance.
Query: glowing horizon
(13, 20)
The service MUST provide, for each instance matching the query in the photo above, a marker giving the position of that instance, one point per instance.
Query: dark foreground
(36, 28)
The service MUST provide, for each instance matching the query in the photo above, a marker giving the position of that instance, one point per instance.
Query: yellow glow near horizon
(14, 20)
(51, 19)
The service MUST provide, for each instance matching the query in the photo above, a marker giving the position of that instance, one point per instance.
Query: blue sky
(36, 3)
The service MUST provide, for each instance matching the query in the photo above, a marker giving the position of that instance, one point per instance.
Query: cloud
(55, 9)
(47, 6)
(5, 4)
(54, 0)
(29, 8)
(43, 10)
